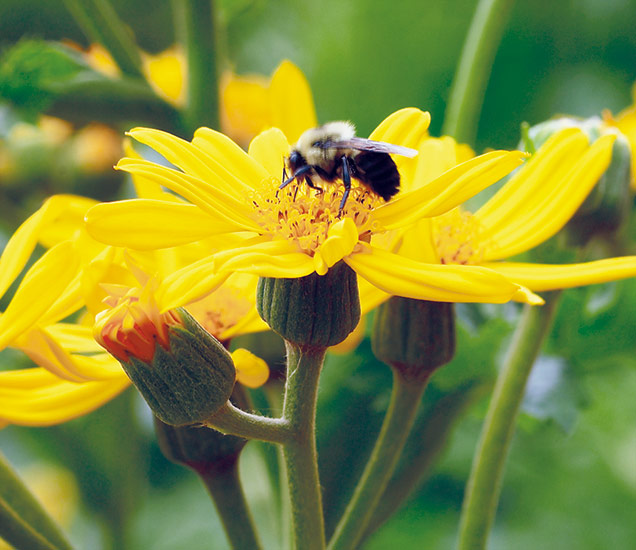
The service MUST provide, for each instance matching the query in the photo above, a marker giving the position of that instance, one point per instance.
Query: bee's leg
(311, 184)
(346, 179)
(295, 175)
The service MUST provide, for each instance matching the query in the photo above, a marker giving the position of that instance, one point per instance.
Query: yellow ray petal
(193, 160)
(269, 148)
(45, 352)
(449, 190)
(438, 283)
(258, 244)
(230, 155)
(245, 107)
(340, 242)
(74, 338)
(269, 259)
(370, 296)
(291, 101)
(206, 196)
(251, 371)
(549, 209)
(146, 224)
(406, 127)
(43, 283)
(55, 403)
(540, 277)
(190, 283)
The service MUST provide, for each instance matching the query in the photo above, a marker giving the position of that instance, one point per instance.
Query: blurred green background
(571, 479)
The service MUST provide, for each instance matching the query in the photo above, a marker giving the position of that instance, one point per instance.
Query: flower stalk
(473, 71)
(100, 23)
(484, 484)
(304, 364)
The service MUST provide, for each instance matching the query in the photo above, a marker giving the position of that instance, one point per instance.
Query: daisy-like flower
(296, 231)
(536, 202)
(74, 375)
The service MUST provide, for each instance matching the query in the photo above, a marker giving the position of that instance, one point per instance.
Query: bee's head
(295, 160)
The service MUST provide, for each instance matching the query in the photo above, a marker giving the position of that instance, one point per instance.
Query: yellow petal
(370, 296)
(41, 286)
(341, 239)
(449, 190)
(556, 192)
(270, 148)
(190, 283)
(44, 401)
(438, 283)
(542, 277)
(292, 105)
(206, 196)
(230, 155)
(193, 160)
(46, 352)
(146, 224)
(406, 127)
(271, 259)
(245, 109)
(251, 371)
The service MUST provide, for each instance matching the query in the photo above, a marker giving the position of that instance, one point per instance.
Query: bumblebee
(333, 152)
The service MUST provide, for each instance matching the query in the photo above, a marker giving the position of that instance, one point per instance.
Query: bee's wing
(362, 144)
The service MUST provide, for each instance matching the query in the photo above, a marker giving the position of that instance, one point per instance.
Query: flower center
(303, 215)
(457, 238)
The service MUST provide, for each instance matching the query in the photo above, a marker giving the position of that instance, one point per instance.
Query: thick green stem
(225, 487)
(100, 23)
(484, 485)
(405, 399)
(301, 460)
(197, 25)
(234, 421)
(473, 71)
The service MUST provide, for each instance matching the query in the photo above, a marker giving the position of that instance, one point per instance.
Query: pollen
(457, 238)
(303, 215)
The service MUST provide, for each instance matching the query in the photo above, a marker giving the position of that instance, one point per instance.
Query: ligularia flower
(531, 207)
(297, 231)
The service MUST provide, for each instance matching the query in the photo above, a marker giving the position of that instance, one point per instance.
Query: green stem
(232, 420)
(301, 459)
(100, 23)
(430, 436)
(197, 24)
(484, 485)
(405, 399)
(224, 486)
(473, 71)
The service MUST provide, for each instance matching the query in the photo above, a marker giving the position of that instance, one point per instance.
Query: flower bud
(203, 449)
(184, 374)
(316, 310)
(415, 337)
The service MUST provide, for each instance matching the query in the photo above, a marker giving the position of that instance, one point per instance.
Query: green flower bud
(316, 310)
(202, 449)
(415, 337)
(184, 373)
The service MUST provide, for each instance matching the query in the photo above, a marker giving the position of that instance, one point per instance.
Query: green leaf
(23, 521)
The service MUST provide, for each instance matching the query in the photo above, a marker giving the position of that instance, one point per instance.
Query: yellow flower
(532, 206)
(74, 374)
(296, 231)
(249, 104)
